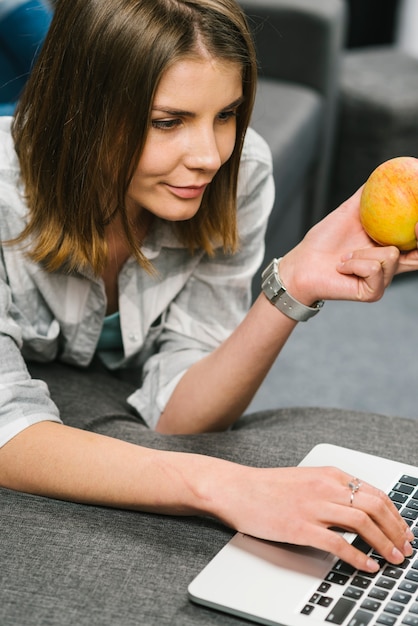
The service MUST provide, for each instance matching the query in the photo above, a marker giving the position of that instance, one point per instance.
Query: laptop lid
(271, 583)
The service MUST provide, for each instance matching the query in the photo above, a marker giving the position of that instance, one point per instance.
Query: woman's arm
(58, 461)
(336, 260)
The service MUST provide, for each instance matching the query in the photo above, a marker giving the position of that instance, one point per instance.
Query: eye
(225, 116)
(165, 124)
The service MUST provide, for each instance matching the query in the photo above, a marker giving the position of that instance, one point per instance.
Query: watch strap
(276, 292)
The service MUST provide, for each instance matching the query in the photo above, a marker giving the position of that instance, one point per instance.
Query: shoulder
(8, 158)
(9, 164)
(255, 192)
(256, 150)
(256, 167)
(13, 207)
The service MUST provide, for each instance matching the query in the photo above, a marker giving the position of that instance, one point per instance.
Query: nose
(203, 151)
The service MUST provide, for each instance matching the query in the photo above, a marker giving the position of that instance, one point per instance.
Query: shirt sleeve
(23, 400)
(217, 295)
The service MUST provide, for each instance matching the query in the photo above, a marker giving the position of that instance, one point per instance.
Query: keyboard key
(392, 572)
(341, 610)
(414, 608)
(337, 578)
(378, 594)
(400, 596)
(307, 609)
(412, 575)
(408, 586)
(325, 601)
(370, 605)
(361, 545)
(353, 592)
(379, 559)
(394, 608)
(386, 583)
(360, 618)
(395, 496)
(324, 587)
(344, 568)
(409, 513)
(360, 581)
(410, 620)
(409, 480)
(404, 488)
(386, 619)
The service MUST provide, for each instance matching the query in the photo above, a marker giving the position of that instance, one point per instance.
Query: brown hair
(82, 121)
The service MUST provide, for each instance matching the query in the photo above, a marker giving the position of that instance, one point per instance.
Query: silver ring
(354, 485)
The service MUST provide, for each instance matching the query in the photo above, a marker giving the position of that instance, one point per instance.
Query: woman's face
(192, 134)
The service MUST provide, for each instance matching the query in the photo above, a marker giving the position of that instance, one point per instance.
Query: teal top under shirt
(111, 335)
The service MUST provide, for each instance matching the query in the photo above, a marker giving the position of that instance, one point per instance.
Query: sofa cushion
(288, 116)
(378, 114)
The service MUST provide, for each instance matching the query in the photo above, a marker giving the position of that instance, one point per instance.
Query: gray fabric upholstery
(378, 116)
(299, 45)
(64, 564)
(289, 116)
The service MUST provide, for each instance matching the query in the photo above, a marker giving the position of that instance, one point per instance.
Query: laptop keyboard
(387, 598)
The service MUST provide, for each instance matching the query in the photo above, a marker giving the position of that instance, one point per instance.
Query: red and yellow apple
(389, 203)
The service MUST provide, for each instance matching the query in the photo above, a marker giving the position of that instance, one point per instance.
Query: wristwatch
(276, 292)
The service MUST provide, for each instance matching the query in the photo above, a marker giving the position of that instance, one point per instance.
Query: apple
(389, 203)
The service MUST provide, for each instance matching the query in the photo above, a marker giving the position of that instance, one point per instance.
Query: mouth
(187, 192)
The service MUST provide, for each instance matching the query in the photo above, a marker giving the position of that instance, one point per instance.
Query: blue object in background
(23, 27)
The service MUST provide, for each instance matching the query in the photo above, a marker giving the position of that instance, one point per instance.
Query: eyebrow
(182, 113)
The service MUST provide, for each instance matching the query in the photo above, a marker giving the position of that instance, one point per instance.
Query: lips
(190, 192)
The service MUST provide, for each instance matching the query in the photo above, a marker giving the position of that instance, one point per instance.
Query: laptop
(273, 583)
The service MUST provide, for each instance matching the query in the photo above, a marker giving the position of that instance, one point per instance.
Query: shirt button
(133, 337)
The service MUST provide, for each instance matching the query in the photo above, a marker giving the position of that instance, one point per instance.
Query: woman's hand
(338, 260)
(302, 506)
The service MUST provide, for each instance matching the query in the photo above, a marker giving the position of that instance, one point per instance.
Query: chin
(179, 215)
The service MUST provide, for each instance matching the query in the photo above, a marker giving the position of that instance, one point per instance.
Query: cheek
(226, 143)
(158, 157)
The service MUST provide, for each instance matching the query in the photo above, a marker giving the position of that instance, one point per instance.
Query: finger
(393, 547)
(388, 258)
(332, 541)
(366, 510)
(382, 511)
(370, 283)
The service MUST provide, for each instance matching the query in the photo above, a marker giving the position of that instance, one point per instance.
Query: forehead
(191, 81)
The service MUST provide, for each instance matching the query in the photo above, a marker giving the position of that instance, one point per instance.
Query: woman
(132, 240)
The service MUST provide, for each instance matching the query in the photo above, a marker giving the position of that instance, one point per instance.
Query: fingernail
(347, 256)
(372, 565)
(407, 549)
(409, 534)
(397, 555)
